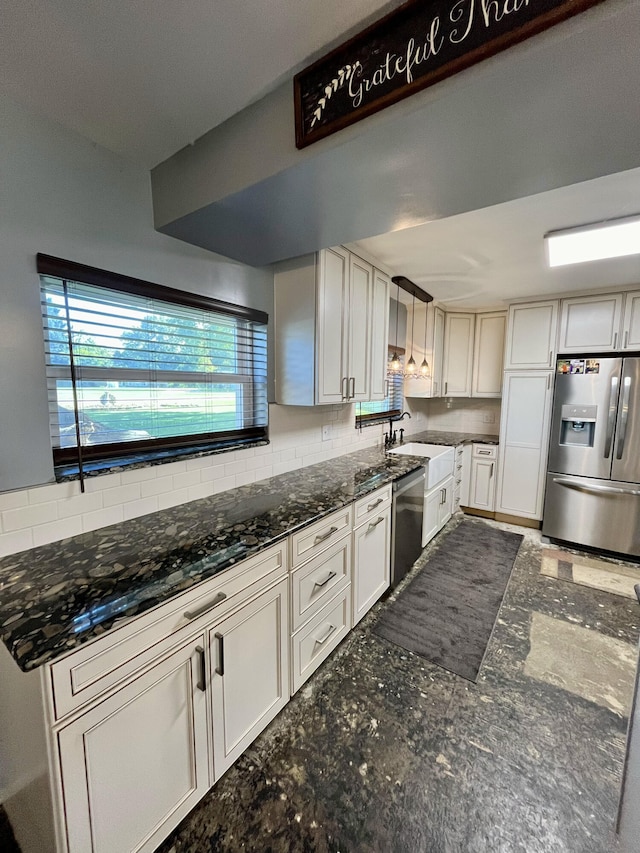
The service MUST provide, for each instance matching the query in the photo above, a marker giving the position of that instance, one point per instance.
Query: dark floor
(382, 751)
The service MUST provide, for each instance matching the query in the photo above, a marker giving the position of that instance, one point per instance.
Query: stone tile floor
(383, 752)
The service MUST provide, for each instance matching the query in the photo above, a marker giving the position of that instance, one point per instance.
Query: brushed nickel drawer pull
(321, 642)
(209, 605)
(375, 504)
(375, 523)
(202, 681)
(321, 537)
(329, 577)
(484, 453)
(220, 667)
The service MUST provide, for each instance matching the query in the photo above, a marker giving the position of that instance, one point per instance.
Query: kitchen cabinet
(429, 386)
(524, 439)
(457, 369)
(590, 324)
(331, 329)
(482, 489)
(631, 321)
(137, 762)
(438, 507)
(371, 557)
(488, 356)
(531, 335)
(461, 476)
(249, 654)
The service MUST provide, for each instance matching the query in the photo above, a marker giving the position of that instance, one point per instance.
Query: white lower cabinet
(438, 506)
(482, 486)
(371, 561)
(136, 763)
(249, 673)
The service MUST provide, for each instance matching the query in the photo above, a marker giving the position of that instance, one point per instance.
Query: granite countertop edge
(57, 597)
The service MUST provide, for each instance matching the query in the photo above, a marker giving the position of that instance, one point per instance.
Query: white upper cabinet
(591, 324)
(331, 317)
(631, 322)
(458, 355)
(379, 333)
(427, 386)
(531, 335)
(488, 356)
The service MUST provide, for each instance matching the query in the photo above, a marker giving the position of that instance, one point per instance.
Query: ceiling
(144, 78)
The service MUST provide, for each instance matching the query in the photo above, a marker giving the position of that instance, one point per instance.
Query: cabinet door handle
(202, 681)
(615, 340)
(326, 580)
(321, 537)
(548, 381)
(435, 388)
(220, 667)
(352, 380)
(204, 608)
(484, 453)
(491, 471)
(324, 639)
(626, 339)
(375, 504)
(550, 358)
(344, 389)
(386, 388)
(375, 523)
(446, 386)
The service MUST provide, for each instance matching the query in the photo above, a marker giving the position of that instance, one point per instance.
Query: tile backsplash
(298, 437)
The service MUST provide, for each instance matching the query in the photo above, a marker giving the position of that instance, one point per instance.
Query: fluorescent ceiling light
(612, 239)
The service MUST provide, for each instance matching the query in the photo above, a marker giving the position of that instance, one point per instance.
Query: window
(391, 406)
(138, 371)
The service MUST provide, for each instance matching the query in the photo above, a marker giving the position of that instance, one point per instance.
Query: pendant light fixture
(425, 370)
(410, 369)
(395, 365)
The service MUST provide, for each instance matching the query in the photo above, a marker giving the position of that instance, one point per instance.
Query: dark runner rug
(447, 613)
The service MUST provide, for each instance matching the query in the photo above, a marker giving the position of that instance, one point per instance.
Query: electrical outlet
(488, 418)
(327, 432)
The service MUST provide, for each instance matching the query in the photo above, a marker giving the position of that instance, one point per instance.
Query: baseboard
(482, 513)
(517, 519)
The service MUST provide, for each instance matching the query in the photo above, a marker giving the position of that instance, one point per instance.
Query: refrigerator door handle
(611, 416)
(624, 416)
(596, 489)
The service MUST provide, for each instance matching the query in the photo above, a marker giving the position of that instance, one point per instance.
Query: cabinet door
(482, 487)
(590, 324)
(488, 354)
(332, 325)
(458, 355)
(250, 673)
(379, 335)
(371, 562)
(135, 764)
(430, 386)
(446, 502)
(524, 439)
(631, 324)
(438, 351)
(531, 335)
(359, 325)
(431, 515)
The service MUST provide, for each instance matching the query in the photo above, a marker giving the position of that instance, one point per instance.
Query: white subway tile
(101, 518)
(174, 498)
(264, 472)
(53, 492)
(285, 467)
(113, 497)
(145, 506)
(12, 543)
(173, 468)
(247, 477)
(199, 462)
(14, 500)
(79, 504)
(211, 474)
(223, 484)
(43, 534)
(232, 468)
(29, 516)
(156, 487)
(287, 454)
(186, 479)
(102, 482)
(202, 490)
(309, 448)
(140, 475)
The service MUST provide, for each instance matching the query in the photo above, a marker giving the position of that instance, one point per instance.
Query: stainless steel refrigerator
(593, 476)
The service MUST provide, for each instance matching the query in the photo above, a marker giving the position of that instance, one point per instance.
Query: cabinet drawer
(369, 505)
(98, 666)
(485, 451)
(315, 538)
(317, 581)
(313, 643)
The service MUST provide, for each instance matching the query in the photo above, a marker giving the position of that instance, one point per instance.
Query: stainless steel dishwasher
(406, 526)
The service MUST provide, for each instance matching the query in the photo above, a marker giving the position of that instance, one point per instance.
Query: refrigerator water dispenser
(578, 425)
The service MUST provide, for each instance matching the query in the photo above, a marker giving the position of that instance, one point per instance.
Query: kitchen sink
(441, 458)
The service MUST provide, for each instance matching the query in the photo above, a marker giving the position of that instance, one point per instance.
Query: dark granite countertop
(434, 436)
(58, 596)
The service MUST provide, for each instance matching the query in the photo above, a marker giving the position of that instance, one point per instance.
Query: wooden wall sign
(413, 47)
